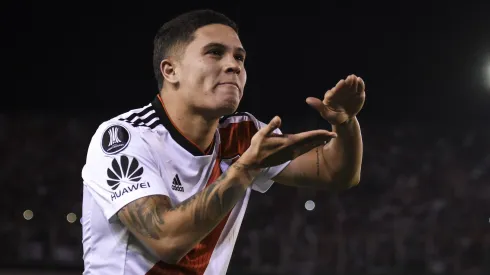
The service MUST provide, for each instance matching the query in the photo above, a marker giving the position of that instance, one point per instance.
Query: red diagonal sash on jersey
(235, 140)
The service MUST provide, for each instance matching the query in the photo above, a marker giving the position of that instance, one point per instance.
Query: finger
(300, 150)
(361, 86)
(349, 80)
(313, 136)
(273, 125)
(354, 84)
(316, 104)
(354, 81)
(305, 142)
(339, 84)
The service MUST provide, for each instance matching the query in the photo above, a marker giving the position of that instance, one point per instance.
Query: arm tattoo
(214, 202)
(145, 215)
(303, 179)
(206, 208)
(239, 166)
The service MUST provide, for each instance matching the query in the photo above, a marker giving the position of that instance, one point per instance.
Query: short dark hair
(180, 32)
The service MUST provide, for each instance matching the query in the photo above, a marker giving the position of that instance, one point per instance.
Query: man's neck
(194, 127)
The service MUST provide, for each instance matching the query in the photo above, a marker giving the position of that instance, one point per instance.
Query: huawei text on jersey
(125, 170)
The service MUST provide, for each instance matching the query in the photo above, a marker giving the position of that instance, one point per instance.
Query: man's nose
(232, 66)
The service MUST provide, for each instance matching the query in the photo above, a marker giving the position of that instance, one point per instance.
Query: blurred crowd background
(422, 206)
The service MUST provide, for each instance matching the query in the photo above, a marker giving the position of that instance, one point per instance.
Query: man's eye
(215, 52)
(240, 57)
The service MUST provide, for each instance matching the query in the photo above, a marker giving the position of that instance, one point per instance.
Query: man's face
(211, 72)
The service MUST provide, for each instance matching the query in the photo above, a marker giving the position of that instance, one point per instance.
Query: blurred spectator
(422, 206)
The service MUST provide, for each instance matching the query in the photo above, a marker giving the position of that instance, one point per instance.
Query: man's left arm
(336, 165)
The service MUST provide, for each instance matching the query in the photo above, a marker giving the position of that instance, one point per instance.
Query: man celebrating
(166, 186)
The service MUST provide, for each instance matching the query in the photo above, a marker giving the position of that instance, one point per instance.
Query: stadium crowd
(422, 207)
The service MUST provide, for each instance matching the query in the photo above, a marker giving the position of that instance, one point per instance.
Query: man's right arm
(171, 232)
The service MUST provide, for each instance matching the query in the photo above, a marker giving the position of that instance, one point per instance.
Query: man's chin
(228, 109)
(222, 108)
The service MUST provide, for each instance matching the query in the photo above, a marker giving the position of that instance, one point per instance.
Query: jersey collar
(166, 121)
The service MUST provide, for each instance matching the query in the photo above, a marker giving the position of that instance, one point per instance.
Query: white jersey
(141, 153)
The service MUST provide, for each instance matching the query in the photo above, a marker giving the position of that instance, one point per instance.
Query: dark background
(68, 67)
(417, 59)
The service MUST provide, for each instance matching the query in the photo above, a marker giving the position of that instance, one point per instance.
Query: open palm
(342, 102)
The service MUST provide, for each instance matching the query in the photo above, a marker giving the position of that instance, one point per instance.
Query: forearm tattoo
(207, 207)
(145, 215)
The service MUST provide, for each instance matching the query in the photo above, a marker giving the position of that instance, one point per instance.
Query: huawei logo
(124, 169)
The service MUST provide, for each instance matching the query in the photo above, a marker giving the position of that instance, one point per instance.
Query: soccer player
(166, 186)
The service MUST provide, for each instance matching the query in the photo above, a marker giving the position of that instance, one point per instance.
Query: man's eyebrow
(222, 46)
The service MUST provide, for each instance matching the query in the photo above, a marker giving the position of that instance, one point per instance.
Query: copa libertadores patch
(115, 139)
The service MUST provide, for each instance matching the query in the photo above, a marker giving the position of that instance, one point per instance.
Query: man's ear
(167, 68)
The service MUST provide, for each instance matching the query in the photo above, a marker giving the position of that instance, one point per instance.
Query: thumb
(316, 103)
(273, 125)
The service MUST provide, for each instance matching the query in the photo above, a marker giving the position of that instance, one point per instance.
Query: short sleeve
(120, 168)
(264, 181)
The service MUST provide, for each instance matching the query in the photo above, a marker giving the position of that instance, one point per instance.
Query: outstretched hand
(342, 102)
(269, 149)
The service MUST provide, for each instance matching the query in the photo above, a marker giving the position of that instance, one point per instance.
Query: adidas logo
(177, 185)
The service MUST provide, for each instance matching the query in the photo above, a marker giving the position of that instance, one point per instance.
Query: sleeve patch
(115, 139)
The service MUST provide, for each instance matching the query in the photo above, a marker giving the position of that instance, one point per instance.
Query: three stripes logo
(144, 118)
(124, 169)
(177, 185)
